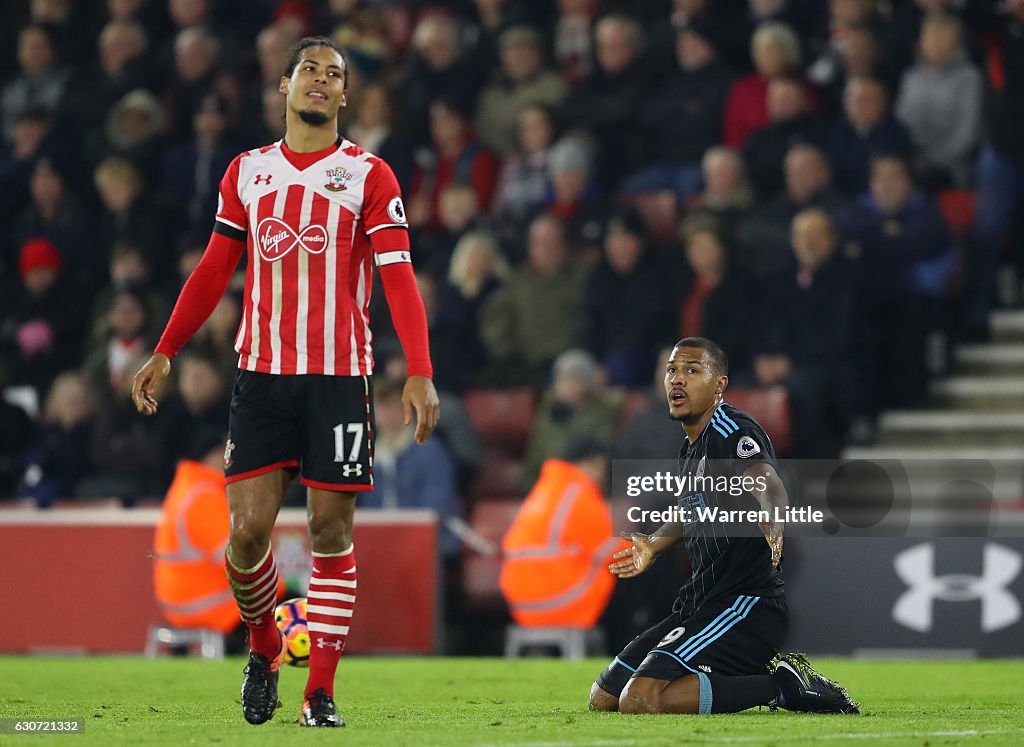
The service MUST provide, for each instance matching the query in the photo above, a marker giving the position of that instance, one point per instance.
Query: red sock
(255, 591)
(329, 605)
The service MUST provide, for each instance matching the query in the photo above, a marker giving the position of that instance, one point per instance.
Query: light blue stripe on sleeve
(721, 420)
(726, 418)
(722, 433)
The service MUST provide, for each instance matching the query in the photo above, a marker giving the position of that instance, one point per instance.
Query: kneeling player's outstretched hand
(636, 559)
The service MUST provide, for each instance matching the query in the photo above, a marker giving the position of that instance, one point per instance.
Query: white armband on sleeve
(391, 258)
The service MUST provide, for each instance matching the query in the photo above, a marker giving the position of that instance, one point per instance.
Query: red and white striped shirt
(311, 236)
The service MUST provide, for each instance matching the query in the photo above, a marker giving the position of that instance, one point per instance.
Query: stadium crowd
(586, 181)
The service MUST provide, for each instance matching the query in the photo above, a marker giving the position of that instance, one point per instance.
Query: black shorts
(320, 425)
(733, 636)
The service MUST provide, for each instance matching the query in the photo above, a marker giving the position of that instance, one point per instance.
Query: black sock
(721, 694)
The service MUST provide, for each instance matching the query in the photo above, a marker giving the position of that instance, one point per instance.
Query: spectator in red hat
(41, 319)
(55, 212)
(39, 254)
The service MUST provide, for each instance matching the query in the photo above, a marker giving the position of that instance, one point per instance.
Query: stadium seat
(660, 211)
(958, 207)
(210, 642)
(634, 403)
(149, 503)
(502, 415)
(770, 407)
(572, 643)
(490, 518)
(85, 504)
(499, 476)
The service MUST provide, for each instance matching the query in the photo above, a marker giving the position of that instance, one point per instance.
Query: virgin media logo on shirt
(275, 238)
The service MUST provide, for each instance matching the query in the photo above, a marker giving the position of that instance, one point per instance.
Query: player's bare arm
(774, 499)
(637, 558)
(419, 397)
(148, 382)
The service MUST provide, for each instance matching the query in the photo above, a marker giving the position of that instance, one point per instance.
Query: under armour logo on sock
(324, 643)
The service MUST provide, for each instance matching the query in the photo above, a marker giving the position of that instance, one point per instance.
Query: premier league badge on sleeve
(396, 210)
(747, 447)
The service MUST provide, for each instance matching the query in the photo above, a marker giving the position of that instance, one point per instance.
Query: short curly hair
(295, 54)
(716, 355)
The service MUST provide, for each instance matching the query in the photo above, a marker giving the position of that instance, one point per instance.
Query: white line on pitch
(819, 738)
(882, 735)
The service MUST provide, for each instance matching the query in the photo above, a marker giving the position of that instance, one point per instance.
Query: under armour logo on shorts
(352, 470)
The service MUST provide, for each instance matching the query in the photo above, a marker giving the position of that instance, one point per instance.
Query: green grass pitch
(538, 702)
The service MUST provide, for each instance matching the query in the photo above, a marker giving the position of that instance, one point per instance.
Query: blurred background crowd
(828, 188)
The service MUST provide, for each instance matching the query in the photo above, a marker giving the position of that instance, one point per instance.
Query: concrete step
(914, 428)
(1007, 325)
(994, 359)
(936, 454)
(943, 474)
(936, 489)
(929, 466)
(980, 393)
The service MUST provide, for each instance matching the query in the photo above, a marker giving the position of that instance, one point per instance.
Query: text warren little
(783, 514)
